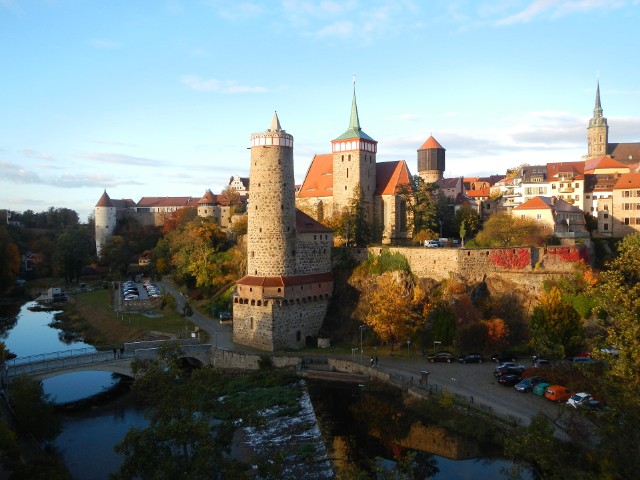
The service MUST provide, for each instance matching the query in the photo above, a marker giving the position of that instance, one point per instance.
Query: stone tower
(431, 157)
(271, 223)
(206, 204)
(282, 301)
(598, 130)
(105, 221)
(354, 165)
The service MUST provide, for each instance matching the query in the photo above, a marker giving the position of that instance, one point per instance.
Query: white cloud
(557, 8)
(105, 43)
(200, 84)
(35, 154)
(120, 158)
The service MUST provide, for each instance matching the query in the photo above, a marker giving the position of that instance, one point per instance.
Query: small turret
(105, 221)
(431, 161)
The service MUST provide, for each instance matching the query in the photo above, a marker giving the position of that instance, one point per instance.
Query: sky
(160, 97)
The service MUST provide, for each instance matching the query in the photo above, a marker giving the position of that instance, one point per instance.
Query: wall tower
(105, 221)
(282, 301)
(354, 165)
(598, 130)
(431, 158)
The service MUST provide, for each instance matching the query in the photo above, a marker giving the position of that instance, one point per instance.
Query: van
(431, 243)
(558, 393)
(443, 242)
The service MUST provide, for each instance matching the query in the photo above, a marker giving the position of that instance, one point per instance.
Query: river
(87, 440)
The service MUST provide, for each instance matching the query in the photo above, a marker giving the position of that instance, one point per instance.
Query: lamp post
(435, 342)
(362, 327)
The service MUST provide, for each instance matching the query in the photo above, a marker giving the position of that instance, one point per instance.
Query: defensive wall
(475, 264)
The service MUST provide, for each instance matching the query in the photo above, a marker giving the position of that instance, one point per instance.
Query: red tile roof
(207, 198)
(430, 143)
(548, 203)
(104, 201)
(285, 281)
(167, 202)
(480, 193)
(604, 161)
(390, 175)
(319, 179)
(628, 180)
(577, 168)
(627, 153)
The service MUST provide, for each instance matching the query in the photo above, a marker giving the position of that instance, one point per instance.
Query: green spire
(354, 130)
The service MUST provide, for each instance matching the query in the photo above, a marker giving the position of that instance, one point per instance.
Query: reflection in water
(71, 387)
(87, 440)
(364, 426)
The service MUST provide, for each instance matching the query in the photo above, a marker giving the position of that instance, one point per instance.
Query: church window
(348, 158)
(343, 158)
(252, 325)
(347, 173)
(345, 187)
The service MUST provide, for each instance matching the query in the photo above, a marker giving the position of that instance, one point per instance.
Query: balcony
(569, 200)
(566, 189)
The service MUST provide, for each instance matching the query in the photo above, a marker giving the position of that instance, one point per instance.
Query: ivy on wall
(512, 258)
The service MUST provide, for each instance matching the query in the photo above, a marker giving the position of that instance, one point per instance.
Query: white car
(582, 399)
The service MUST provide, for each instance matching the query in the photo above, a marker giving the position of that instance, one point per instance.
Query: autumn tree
(556, 328)
(505, 230)
(420, 198)
(390, 311)
(467, 220)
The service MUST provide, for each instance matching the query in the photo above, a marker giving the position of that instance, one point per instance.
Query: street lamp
(362, 327)
(435, 342)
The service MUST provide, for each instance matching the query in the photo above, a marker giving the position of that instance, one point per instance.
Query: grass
(91, 315)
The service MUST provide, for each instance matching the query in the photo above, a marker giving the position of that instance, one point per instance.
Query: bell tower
(354, 165)
(598, 130)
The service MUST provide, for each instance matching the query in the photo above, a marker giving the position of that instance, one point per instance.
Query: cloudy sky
(155, 98)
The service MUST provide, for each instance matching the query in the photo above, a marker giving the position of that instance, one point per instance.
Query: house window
(626, 221)
(538, 216)
(606, 215)
(605, 226)
(626, 206)
(577, 198)
(553, 186)
(626, 193)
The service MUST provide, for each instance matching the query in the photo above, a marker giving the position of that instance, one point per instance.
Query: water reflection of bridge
(47, 365)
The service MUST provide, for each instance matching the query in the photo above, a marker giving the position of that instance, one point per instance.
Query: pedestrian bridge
(46, 365)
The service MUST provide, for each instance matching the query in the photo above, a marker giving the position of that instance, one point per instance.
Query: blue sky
(155, 98)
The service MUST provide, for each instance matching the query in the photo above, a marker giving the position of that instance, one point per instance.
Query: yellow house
(557, 217)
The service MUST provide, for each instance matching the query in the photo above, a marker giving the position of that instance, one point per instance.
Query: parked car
(508, 368)
(471, 358)
(540, 388)
(541, 362)
(583, 399)
(226, 315)
(527, 384)
(442, 357)
(504, 357)
(611, 350)
(557, 393)
(582, 360)
(432, 244)
(509, 380)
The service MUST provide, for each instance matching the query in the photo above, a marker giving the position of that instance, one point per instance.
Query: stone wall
(313, 253)
(274, 327)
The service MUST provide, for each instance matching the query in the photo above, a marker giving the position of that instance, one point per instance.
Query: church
(333, 180)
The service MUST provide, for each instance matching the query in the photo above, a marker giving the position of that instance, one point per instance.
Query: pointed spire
(104, 201)
(354, 122)
(597, 111)
(275, 123)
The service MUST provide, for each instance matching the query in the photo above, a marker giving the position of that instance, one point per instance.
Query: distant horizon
(141, 99)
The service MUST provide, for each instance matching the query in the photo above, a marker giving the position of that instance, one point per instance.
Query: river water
(87, 440)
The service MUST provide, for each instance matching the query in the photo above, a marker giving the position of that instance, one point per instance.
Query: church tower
(431, 158)
(105, 221)
(598, 130)
(354, 165)
(282, 300)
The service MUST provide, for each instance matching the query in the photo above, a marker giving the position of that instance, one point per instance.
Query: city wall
(478, 263)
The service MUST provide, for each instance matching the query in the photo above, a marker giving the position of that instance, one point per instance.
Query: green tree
(9, 260)
(117, 254)
(419, 198)
(556, 328)
(505, 230)
(34, 410)
(468, 218)
(72, 252)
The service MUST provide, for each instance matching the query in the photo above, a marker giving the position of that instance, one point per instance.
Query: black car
(442, 357)
(509, 380)
(504, 357)
(508, 368)
(527, 384)
(471, 358)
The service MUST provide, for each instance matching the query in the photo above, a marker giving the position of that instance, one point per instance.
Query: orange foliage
(497, 331)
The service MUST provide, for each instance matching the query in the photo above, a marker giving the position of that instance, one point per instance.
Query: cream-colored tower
(105, 221)
(354, 165)
(598, 130)
(271, 223)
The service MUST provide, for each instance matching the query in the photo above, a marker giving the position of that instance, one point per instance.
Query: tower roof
(430, 143)
(207, 198)
(275, 123)
(104, 201)
(354, 130)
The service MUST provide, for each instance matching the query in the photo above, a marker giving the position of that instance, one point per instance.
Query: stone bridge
(48, 365)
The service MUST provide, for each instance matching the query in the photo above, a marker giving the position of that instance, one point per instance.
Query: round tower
(105, 221)
(206, 204)
(431, 158)
(271, 211)
(354, 165)
(598, 130)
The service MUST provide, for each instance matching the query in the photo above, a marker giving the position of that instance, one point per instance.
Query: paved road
(473, 381)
